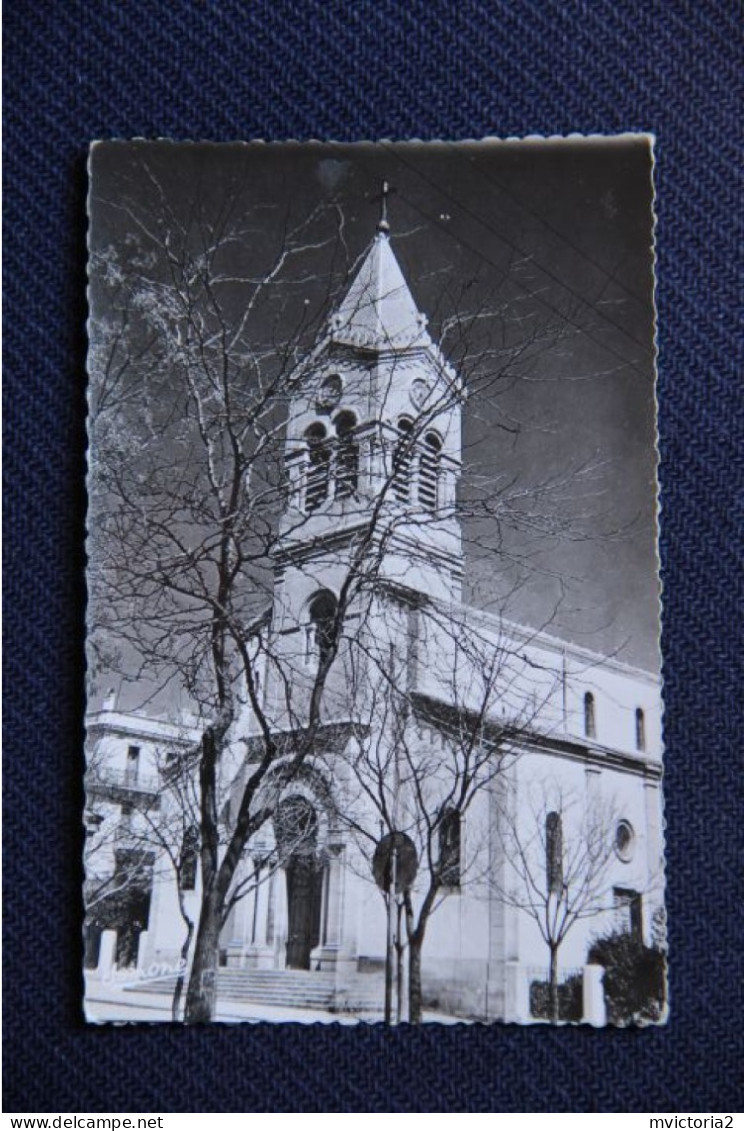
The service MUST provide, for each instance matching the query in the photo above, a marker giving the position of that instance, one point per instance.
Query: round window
(624, 840)
(419, 392)
(329, 393)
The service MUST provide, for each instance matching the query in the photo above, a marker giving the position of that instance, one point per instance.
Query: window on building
(450, 848)
(347, 455)
(629, 912)
(640, 729)
(329, 393)
(590, 716)
(318, 466)
(189, 858)
(133, 760)
(320, 631)
(429, 472)
(402, 461)
(624, 841)
(554, 852)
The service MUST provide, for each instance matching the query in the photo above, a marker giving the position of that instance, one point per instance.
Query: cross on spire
(382, 223)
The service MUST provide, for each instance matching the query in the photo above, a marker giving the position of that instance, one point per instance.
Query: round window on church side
(624, 841)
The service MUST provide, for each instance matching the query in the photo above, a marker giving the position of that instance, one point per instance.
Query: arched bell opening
(318, 466)
(429, 468)
(347, 455)
(320, 627)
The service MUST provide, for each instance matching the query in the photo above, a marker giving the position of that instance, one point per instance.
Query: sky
(553, 237)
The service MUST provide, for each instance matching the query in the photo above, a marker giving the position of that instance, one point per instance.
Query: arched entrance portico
(296, 833)
(296, 913)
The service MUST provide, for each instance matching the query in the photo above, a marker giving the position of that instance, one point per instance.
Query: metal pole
(389, 947)
(393, 939)
(400, 967)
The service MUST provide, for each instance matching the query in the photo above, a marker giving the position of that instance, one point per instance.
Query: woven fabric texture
(421, 68)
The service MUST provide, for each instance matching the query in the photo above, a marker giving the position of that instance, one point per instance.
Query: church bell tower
(373, 446)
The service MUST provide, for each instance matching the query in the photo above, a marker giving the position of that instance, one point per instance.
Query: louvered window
(402, 462)
(429, 472)
(347, 456)
(318, 466)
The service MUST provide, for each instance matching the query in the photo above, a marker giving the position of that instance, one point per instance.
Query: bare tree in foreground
(440, 743)
(185, 484)
(558, 848)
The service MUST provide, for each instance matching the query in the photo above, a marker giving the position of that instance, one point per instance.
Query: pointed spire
(379, 311)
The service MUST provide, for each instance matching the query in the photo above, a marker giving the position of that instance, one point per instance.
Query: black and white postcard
(374, 702)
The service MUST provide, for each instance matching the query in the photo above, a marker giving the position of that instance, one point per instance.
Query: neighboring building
(126, 834)
(373, 457)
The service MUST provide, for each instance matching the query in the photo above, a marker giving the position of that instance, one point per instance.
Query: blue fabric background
(276, 69)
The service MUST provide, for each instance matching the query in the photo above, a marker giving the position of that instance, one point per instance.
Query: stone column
(262, 898)
(594, 1009)
(325, 955)
(143, 952)
(238, 939)
(345, 916)
(654, 855)
(498, 913)
(106, 954)
(277, 912)
(259, 942)
(653, 831)
(333, 896)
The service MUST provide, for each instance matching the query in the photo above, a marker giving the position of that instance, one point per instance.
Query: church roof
(378, 311)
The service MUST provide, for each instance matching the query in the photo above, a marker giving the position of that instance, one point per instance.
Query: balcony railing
(109, 778)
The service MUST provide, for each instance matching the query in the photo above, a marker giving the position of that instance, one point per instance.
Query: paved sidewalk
(106, 1003)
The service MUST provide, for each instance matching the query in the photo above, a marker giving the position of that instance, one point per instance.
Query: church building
(521, 772)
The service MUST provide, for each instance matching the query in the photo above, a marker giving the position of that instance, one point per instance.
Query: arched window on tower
(318, 464)
(428, 489)
(590, 717)
(319, 636)
(640, 729)
(554, 853)
(347, 455)
(402, 461)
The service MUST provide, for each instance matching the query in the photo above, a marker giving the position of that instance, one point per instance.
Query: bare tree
(558, 848)
(444, 734)
(185, 484)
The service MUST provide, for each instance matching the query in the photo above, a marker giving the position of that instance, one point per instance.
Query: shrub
(570, 999)
(634, 978)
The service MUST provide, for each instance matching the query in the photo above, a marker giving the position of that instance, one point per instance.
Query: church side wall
(579, 791)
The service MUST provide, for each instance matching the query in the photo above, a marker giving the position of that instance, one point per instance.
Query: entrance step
(293, 989)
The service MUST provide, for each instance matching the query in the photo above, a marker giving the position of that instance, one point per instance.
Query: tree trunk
(554, 1001)
(178, 991)
(414, 981)
(201, 996)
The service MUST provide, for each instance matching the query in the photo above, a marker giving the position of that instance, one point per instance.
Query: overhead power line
(478, 252)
